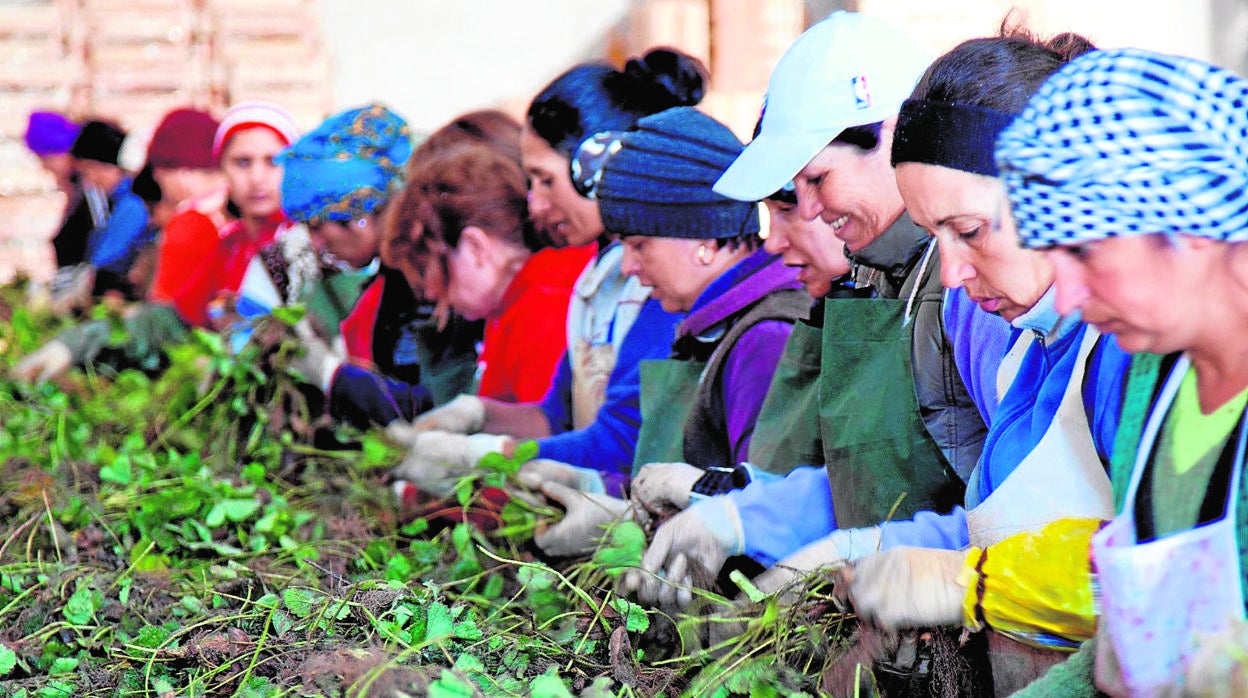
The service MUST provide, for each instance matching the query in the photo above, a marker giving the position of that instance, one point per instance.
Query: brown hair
(489, 127)
(462, 185)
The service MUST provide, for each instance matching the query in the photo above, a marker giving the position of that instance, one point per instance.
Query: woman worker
(701, 254)
(341, 176)
(1131, 167)
(470, 244)
(237, 222)
(1045, 456)
(920, 432)
(590, 414)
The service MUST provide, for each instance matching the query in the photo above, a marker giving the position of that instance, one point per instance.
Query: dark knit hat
(99, 141)
(184, 139)
(659, 182)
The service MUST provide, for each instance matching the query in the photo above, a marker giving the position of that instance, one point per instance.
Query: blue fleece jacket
(607, 445)
(114, 245)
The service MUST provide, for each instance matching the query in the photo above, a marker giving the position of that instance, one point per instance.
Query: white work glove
(705, 534)
(45, 363)
(665, 488)
(318, 363)
(582, 525)
(831, 551)
(908, 587)
(540, 471)
(436, 459)
(463, 415)
(1220, 665)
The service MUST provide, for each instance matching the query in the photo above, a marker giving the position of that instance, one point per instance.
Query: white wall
(432, 59)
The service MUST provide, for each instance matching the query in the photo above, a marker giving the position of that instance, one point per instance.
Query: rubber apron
(882, 463)
(786, 434)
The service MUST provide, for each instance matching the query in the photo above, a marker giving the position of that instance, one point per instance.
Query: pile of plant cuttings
(199, 531)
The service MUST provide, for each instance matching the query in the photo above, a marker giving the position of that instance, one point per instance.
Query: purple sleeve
(747, 376)
(976, 335)
(766, 508)
(928, 530)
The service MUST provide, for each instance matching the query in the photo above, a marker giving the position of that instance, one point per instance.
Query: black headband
(958, 136)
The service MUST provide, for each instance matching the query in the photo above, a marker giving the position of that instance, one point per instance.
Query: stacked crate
(40, 69)
(271, 49)
(144, 58)
(131, 61)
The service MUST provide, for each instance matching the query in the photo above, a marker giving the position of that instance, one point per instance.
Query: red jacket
(527, 336)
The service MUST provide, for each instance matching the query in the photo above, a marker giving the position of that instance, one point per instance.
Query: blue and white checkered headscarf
(1125, 142)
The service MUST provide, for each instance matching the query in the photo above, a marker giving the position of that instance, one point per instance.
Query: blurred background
(133, 60)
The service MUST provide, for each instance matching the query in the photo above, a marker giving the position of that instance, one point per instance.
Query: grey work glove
(45, 363)
(436, 459)
(540, 471)
(582, 525)
(71, 288)
(665, 488)
(907, 587)
(704, 535)
(463, 415)
(832, 551)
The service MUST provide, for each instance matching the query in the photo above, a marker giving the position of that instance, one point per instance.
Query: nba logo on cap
(862, 93)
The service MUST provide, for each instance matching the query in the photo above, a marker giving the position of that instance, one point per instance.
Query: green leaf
(144, 559)
(81, 607)
(282, 623)
(233, 509)
(493, 587)
(440, 624)
(399, 567)
(8, 660)
(151, 636)
(746, 586)
(118, 471)
(375, 452)
(467, 629)
(288, 314)
(549, 685)
(254, 473)
(525, 452)
(625, 542)
(299, 601)
(464, 489)
(636, 620)
(58, 689)
(451, 686)
(64, 665)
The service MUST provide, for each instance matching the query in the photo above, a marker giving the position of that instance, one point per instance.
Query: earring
(705, 255)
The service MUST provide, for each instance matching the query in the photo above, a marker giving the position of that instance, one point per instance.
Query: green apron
(669, 390)
(447, 358)
(875, 444)
(786, 434)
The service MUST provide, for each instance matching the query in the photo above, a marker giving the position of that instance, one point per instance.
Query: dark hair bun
(1070, 45)
(665, 78)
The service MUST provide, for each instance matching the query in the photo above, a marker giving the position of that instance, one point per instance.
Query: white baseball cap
(848, 70)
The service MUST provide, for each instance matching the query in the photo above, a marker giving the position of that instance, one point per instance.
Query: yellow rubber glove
(1035, 587)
